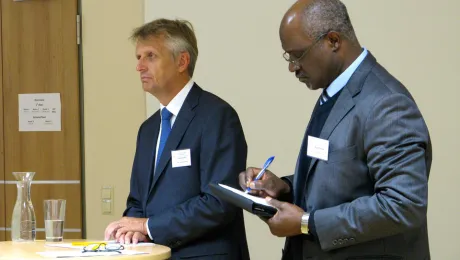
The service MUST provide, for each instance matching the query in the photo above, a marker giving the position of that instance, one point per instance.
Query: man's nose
(140, 66)
(292, 67)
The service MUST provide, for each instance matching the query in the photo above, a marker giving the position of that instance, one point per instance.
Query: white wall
(240, 60)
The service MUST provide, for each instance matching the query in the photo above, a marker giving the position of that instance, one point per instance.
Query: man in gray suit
(360, 189)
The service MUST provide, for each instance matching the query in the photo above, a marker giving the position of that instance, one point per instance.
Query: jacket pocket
(342, 154)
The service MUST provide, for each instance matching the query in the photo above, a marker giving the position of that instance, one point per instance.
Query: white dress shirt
(343, 78)
(174, 107)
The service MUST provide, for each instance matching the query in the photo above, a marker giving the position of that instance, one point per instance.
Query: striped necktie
(324, 97)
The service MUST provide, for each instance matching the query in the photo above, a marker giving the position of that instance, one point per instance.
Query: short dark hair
(323, 16)
(179, 36)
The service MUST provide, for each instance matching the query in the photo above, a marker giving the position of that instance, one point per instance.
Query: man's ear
(334, 41)
(183, 61)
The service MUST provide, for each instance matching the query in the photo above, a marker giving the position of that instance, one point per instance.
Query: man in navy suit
(195, 139)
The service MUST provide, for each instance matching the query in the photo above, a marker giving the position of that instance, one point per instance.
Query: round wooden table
(28, 250)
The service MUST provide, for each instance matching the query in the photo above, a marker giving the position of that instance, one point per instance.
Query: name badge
(181, 158)
(318, 148)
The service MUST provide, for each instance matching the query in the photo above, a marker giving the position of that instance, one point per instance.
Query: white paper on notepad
(73, 253)
(257, 200)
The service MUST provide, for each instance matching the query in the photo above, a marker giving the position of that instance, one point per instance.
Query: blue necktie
(165, 130)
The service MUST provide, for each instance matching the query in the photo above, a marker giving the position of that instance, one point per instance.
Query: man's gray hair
(179, 36)
(323, 16)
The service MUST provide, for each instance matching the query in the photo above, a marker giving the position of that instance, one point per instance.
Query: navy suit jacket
(183, 214)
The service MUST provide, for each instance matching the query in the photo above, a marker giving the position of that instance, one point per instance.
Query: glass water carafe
(23, 221)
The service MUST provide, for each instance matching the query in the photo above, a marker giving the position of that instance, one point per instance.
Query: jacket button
(340, 241)
(352, 240)
(345, 240)
(334, 242)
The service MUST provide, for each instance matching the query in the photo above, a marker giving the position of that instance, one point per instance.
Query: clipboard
(252, 204)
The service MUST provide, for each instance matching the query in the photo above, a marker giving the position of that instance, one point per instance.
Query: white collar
(176, 103)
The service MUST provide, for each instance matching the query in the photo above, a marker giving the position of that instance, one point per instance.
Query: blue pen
(264, 168)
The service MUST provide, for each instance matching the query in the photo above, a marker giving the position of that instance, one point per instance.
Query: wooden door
(40, 55)
(2, 165)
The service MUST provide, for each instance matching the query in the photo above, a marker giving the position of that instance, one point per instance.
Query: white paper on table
(248, 196)
(39, 112)
(69, 245)
(74, 253)
(139, 244)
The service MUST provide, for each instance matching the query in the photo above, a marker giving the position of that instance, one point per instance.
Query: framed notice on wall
(40, 112)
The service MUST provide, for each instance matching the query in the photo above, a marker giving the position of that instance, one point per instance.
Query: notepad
(255, 199)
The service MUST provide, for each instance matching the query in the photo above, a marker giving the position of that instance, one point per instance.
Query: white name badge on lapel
(181, 158)
(318, 148)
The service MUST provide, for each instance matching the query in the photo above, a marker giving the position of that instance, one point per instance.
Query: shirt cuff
(148, 230)
(287, 197)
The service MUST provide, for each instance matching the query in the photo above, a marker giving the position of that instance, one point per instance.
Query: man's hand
(268, 185)
(133, 237)
(120, 228)
(286, 222)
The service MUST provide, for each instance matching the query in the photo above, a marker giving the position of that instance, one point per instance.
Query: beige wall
(240, 60)
(114, 104)
(415, 42)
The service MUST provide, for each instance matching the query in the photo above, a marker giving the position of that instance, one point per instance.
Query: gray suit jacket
(369, 200)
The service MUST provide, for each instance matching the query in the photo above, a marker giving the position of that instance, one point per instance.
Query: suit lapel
(341, 108)
(185, 116)
(151, 139)
(345, 101)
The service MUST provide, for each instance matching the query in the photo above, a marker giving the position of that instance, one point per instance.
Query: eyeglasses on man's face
(296, 61)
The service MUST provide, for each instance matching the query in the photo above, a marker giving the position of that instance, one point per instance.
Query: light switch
(106, 207)
(106, 193)
(106, 200)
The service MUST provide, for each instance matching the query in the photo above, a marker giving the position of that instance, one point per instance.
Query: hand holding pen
(262, 182)
(262, 171)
